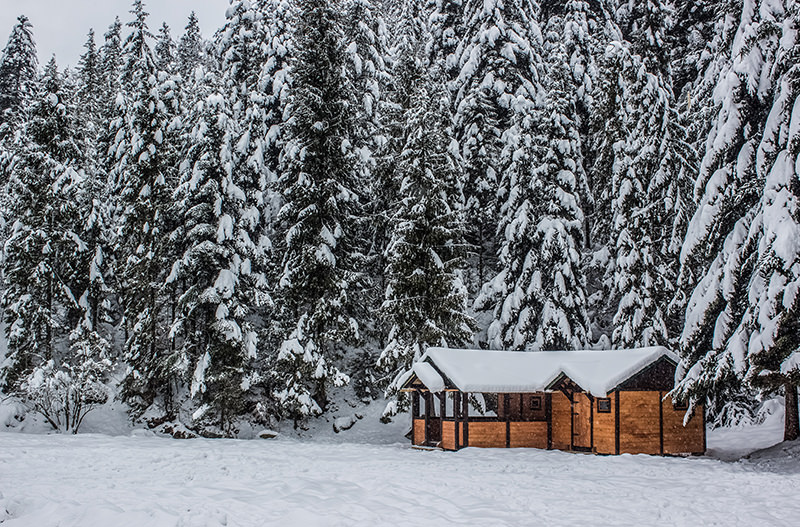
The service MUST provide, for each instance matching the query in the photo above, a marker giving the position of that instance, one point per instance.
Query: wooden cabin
(605, 402)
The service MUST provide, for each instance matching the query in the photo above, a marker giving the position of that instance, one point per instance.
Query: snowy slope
(94, 480)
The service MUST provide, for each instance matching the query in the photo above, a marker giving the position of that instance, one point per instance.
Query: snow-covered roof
(597, 372)
(429, 376)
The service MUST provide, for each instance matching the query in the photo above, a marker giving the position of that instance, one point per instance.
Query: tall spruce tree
(425, 299)
(496, 58)
(164, 50)
(141, 175)
(741, 318)
(320, 266)
(539, 295)
(189, 53)
(39, 264)
(221, 269)
(17, 71)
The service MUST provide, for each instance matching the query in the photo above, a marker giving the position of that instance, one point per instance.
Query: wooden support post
(507, 411)
(415, 404)
(428, 405)
(591, 421)
(456, 412)
(442, 406)
(661, 423)
(465, 401)
(548, 410)
(572, 422)
(616, 422)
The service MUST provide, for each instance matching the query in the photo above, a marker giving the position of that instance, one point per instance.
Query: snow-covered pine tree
(164, 50)
(254, 54)
(496, 58)
(446, 25)
(539, 294)
(741, 321)
(366, 49)
(18, 66)
(320, 266)
(689, 38)
(190, 50)
(112, 60)
(406, 70)
(39, 263)
(425, 300)
(367, 53)
(93, 113)
(140, 173)
(221, 269)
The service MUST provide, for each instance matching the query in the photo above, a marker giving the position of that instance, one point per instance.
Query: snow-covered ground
(144, 481)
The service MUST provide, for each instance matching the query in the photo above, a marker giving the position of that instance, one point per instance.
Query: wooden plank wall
(677, 438)
(419, 431)
(639, 423)
(562, 422)
(489, 434)
(532, 434)
(449, 435)
(604, 430)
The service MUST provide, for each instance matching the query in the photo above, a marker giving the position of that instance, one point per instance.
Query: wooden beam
(456, 412)
(465, 402)
(507, 411)
(661, 423)
(571, 423)
(428, 404)
(591, 421)
(548, 410)
(616, 422)
(703, 424)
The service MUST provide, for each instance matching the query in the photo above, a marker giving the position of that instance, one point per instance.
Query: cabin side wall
(419, 431)
(487, 434)
(532, 434)
(605, 428)
(679, 439)
(639, 422)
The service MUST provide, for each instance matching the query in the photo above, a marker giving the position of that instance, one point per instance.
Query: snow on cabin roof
(429, 376)
(597, 372)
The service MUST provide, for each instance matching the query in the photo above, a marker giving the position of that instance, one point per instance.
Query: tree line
(238, 228)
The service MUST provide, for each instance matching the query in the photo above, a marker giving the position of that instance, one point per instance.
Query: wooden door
(433, 421)
(581, 422)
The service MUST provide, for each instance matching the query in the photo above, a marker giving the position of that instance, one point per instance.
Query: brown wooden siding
(562, 419)
(604, 440)
(531, 434)
(449, 435)
(639, 423)
(419, 431)
(677, 438)
(491, 434)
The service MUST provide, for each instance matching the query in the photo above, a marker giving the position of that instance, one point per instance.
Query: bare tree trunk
(792, 422)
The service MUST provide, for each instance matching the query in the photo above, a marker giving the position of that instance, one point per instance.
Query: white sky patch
(60, 26)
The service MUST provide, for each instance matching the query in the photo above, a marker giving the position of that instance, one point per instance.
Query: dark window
(680, 405)
(604, 406)
(536, 403)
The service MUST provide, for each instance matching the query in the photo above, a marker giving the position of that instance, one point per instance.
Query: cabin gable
(658, 376)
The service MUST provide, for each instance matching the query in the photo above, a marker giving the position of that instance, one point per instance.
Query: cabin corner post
(507, 412)
(661, 422)
(591, 421)
(456, 420)
(703, 425)
(465, 402)
(616, 422)
(548, 409)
